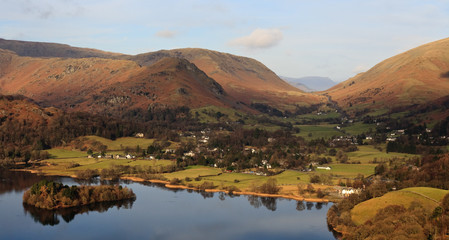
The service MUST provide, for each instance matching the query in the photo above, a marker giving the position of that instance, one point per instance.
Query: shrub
(270, 187)
(87, 174)
(175, 181)
(319, 193)
(206, 185)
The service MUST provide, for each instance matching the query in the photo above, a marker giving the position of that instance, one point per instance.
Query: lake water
(160, 213)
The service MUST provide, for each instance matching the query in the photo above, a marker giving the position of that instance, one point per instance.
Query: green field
(193, 172)
(359, 128)
(318, 131)
(314, 116)
(208, 114)
(121, 143)
(244, 180)
(367, 154)
(428, 197)
(63, 153)
(63, 166)
(290, 177)
(241, 180)
(349, 170)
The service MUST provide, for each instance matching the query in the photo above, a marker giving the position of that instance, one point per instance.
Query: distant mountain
(312, 83)
(301, 87)
(415, 77)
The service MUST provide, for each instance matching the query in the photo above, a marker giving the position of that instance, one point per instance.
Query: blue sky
(330, 38)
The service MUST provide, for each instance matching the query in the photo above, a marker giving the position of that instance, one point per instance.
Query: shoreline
(168, 185)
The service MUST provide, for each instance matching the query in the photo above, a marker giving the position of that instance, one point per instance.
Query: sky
(294, 38)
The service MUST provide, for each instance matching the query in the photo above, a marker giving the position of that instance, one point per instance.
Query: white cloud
(260, 38)
(166, 34)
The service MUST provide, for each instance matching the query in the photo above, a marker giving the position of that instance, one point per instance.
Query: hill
(429, 198)
(21, 109)
(414, 77)
(108, 85)
(312, 83)
(245, 79)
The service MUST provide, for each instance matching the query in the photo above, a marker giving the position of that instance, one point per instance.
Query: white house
(324, 168)
(139, 135)
(189, 154)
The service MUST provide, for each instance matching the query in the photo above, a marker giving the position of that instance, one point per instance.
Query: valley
(209, 121)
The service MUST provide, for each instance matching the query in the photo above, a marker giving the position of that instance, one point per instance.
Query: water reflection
(51, 217)
(271, 203)
(157, 212)
(300, 206)
(17, 180)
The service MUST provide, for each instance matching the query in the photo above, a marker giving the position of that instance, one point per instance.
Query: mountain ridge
(244, 80)
(416, 76)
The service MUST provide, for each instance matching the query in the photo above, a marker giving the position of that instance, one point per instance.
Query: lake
(160, 213)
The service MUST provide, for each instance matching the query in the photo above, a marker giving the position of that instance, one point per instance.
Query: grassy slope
(428, 197)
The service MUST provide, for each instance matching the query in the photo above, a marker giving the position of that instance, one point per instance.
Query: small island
(53, 195)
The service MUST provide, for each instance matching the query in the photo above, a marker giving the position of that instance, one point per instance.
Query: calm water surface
(160, 213)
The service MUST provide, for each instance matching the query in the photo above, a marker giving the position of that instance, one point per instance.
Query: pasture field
(359, 128)
(429, 198)
(349, 170)
(290, 177)
(244, 181)
(211, 114)
(367, 154)
(122, 143)
(193, 172)
(318, 131)
(66, 166)
(64, 153)
(314, 116)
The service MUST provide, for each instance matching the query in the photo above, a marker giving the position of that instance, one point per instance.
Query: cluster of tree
(402, 144)
(22, 140)
(393, 222)
(339, 215)
(52, 195)
(412, 222)
(428, 171)
(270, 187)
(267, 109)
(321, 178)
